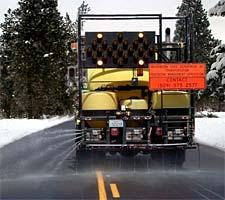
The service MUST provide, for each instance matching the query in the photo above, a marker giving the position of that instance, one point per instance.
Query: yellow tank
(99, 101)
(135, 104)
(114, 77)
(171, 99)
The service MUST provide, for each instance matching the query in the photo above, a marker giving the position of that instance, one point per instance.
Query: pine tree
(202, 38)
(41, 44)
(34, 60)
(8, 40)
(39, 59)
(83, 9)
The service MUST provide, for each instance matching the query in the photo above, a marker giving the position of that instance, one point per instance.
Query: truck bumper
(141, 147)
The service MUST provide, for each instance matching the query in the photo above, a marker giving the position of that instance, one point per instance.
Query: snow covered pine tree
(39, 60)
(216, 75)
(203, 41)
(7, 53)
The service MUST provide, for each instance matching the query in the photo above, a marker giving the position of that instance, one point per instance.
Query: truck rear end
(118, 110)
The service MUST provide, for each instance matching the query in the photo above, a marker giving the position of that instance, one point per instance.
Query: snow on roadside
(210, 131)
(14, 129)
(220, 114)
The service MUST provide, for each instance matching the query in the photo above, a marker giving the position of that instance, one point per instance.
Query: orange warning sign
(177, 76)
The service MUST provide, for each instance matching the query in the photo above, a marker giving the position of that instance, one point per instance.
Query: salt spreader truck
(136, 91)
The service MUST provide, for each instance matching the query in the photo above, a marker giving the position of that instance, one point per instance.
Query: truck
(136, 91)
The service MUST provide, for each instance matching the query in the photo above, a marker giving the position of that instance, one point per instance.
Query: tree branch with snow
(216, 75)
(218, 9)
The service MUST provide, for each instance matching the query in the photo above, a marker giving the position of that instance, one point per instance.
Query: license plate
(178, 131)
(115, 123)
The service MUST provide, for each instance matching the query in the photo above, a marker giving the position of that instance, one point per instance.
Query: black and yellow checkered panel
(119, 49)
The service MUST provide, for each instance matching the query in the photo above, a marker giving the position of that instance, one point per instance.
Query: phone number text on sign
(177, 76)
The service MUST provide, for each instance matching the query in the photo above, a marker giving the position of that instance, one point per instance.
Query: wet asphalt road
(43, 166)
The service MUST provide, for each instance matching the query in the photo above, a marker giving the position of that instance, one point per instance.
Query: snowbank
(211, 131)
(15, 129)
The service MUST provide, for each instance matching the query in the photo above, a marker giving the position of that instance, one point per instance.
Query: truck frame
(155, 129)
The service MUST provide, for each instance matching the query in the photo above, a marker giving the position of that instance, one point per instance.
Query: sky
(164, 7)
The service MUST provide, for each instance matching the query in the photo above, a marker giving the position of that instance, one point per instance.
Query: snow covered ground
(210, 131)
(14, 129)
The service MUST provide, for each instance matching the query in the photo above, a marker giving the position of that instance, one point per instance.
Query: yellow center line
(101, 186)
(115, 191)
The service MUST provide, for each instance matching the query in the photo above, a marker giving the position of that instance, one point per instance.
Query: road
(43, 166)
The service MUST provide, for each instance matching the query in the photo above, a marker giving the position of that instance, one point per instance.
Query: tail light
(114, 132)
(159, 131)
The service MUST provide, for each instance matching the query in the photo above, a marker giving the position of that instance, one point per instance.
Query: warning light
(140, 35)
(146, 44)
(125, 58)
(114, 44)
(99, 63)
(130, 51)
(115, 49)
(94, 44)
(109, 51)
(114, 57)
(125, 44)
(120, 51)
(89, 52)
(120, 37)
(104, 44)
(145, 57)
(140, 51)
(120, 61)
(135, 44)
(104, 59)
(99, 51)
(94, 57)
(141, 62)
(135, 58)
(99, 35)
